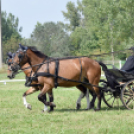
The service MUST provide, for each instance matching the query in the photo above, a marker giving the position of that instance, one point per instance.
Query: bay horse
(27, 71)
(32, 89)
(76, 69)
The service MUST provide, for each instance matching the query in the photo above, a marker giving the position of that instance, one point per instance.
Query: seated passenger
(129, 65)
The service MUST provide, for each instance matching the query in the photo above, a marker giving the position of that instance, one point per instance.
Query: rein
(98, 55)
(56, 60)
(65, 58)
(48, 61)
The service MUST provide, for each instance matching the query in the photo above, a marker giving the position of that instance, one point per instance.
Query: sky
(30, 12)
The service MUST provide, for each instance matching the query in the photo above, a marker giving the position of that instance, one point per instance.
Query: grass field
(16, 119)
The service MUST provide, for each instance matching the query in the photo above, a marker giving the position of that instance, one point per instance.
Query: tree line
(92, 27)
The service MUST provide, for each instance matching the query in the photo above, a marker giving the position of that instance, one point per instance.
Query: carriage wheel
(112, 99)
(127, 95)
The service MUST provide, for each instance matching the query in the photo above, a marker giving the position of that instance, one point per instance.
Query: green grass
(16, 119)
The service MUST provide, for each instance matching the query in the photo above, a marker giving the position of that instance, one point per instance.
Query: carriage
(119, 85)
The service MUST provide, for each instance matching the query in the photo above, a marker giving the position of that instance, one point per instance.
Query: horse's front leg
(28, 92)
(46, 88)
(51, 99)
(45, 106)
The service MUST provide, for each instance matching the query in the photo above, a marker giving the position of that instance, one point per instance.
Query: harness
(56, 72)
(29, 80)
(56, 76)
(48, 74)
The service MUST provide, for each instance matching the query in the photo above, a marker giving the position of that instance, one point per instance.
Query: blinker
(20, 55)
(9, 54)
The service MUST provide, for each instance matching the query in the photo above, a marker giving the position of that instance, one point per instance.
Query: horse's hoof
(78, 106)
(29, 106)
(44, 110)
(51, 110)
(91, 107)
(52, 104)
(97, 109)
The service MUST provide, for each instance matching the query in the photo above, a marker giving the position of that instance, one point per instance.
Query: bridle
(14, 66)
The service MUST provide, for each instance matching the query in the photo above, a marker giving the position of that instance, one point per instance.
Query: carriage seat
(121, 75)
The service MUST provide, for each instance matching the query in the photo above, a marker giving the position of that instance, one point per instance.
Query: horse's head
(9, 61)
(16, 61)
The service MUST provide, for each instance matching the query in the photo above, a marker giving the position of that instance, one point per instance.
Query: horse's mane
(38, 53)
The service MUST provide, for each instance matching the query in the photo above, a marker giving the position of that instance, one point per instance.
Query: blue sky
(31, 11)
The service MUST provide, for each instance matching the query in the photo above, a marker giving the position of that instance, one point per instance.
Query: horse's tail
(104, 67)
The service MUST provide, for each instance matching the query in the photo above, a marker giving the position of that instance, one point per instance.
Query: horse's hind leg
(95, 94)
(84, 92)
(92, 92)
(99, 100)
(98, 93)
(93, 100)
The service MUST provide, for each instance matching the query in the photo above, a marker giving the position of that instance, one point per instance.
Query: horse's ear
(23, 47)
(9, 54)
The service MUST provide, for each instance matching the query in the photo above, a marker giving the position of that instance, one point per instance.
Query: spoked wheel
(112, 99)
(127, 95)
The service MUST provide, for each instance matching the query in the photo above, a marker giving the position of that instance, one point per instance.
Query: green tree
(72, 15)
(10, 33)
(51, 39)
(106, 26)
(111, 22)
